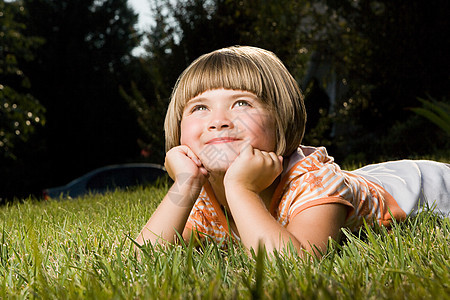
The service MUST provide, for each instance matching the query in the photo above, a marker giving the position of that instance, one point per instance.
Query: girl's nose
(220, 121)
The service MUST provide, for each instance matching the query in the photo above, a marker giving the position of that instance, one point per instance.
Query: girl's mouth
(222, 140)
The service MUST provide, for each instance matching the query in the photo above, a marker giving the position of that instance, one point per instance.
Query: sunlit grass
(82, 248)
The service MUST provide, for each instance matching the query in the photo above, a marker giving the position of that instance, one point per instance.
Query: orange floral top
(310, 181)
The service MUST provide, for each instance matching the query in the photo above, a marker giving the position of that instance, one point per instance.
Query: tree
(84, 57)
(20, 112)
(77, 74)
(388, 53)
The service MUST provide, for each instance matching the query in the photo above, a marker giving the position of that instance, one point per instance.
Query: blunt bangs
(221, 69)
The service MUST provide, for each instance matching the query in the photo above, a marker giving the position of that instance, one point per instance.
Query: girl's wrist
(239, 187)
(184, 194)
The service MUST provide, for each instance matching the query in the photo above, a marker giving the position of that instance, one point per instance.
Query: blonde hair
(248, 69)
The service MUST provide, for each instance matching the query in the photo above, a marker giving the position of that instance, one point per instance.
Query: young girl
(233, 130)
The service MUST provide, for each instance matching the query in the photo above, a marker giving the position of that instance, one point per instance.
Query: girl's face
(218, 123)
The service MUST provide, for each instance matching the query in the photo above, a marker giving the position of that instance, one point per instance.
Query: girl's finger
(275, 157)
(246, 148)
(268, 154)
(280, 158)
(189, 153)
(204, 171)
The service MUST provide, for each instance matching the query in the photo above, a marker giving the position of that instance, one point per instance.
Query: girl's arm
(170, 217)
(251, 173)
(167, 221)
(309, 230)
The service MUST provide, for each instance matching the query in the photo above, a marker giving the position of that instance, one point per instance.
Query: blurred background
(83, 85)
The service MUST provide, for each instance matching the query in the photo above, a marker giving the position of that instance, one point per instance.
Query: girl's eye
(241, 103)
(199, 108)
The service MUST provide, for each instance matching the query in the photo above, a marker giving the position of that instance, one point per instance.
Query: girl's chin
(219, 164)
(217, 170)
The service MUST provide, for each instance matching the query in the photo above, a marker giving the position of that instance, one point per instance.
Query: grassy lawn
(82, 248)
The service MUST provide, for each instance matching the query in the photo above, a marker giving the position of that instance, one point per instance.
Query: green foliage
(381, 49)
(82, 248)
(438, 112)
(76, 74)
(82, 56)
(20, 112)
(19, 115)
(149, 119)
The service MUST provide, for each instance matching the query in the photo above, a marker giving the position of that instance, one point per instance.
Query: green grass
(83, 248)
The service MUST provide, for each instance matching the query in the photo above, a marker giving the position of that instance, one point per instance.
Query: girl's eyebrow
(195, 100)
(247, 94)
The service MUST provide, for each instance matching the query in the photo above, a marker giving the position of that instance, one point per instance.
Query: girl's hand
(253, 169)
(187, 171)
(170, 217)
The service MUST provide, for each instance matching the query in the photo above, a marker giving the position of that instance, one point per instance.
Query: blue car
(108, 178)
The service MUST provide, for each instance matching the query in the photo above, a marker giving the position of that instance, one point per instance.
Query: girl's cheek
(191, 130)
(183, 132)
